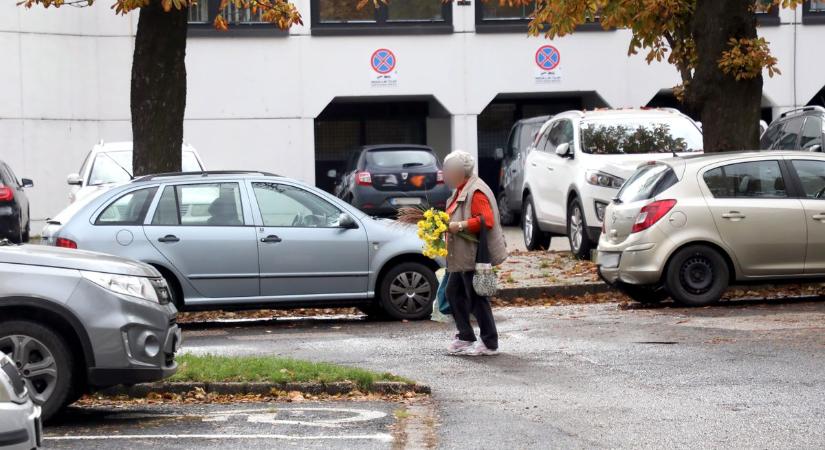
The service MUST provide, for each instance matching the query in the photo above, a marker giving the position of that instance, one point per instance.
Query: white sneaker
(480, 350)
(458, 347)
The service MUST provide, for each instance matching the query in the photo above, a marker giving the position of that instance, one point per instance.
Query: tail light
(651, 214)
(439, 177)
(363, 178)
(65, 243)
(6, 194)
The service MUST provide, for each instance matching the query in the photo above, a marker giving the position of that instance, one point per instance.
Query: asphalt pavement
(311, 425)
(744, 375)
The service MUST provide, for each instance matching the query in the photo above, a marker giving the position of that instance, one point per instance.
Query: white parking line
(381, 437)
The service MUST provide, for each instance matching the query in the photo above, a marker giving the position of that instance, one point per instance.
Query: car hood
(625, 165)
(41, 255)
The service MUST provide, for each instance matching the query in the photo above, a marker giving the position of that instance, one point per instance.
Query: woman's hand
(455, 227)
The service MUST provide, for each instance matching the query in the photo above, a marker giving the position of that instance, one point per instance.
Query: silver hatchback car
(241, 240)
(688, 227)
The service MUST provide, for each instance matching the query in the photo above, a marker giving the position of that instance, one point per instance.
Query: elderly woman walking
(471, 204)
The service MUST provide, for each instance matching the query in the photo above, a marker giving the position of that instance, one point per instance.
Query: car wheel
(408, 290)
(646, 295)
(506, 215)
(43, 359)
(534, 238)
(580, 243)
(697, 275)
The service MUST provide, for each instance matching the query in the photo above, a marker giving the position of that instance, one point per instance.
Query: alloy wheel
(35, 361)
(410, 292)
(576, 229)
(528, 224)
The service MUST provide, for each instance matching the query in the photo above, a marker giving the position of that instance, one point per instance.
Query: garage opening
(666, 99)
(498, 117)
(347, 124)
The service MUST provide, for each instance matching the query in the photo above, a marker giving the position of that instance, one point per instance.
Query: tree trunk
(158, 98)
(729, 109)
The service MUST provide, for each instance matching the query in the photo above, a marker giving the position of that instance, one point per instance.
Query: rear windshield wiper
(415, 164)
(53, 222)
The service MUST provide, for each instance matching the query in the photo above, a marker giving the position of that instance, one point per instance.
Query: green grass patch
(211, 368)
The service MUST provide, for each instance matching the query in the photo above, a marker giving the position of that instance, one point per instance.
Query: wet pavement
(747, 374)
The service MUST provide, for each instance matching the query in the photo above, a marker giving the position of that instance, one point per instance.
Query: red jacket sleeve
(480, 207)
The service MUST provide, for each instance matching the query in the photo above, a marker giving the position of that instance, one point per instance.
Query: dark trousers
(463, 302)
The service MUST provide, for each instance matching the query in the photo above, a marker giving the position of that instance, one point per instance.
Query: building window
(241, 21)
(813, 12)
(491, 17)
(767, 16)
(336, 17)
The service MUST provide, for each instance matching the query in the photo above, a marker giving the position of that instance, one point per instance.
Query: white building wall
(252, 100)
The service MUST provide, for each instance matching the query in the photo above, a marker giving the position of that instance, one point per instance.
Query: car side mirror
(815, 148)
(346, 221)
(74, 180)
(332, 173)
(499, 154)
(27, 183)
(563, 150)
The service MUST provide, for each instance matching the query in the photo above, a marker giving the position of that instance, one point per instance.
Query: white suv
(579, 160)
(110, 163)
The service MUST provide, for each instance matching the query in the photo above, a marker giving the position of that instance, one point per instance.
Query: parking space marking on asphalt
(380, 437)
(269, 416)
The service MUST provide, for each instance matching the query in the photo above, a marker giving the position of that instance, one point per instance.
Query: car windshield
(400, 158)
(640, 135)
(648, 182)
(116, 167)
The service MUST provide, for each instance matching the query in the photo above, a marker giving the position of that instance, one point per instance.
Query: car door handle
(733, 215)
(550, 168)
(271, 239)
(820, 216)
(169, 238)
(533, 164)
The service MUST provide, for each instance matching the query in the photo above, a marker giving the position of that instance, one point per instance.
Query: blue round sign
(383, 61)
(548, 57)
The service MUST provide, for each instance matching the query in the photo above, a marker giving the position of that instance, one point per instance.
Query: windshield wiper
(415, 164)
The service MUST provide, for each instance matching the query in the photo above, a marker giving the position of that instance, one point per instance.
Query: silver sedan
(240, 240)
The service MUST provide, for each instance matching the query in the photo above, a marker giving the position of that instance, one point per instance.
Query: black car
(511, 181)
(798, 129)
(379, 179)
(15, 222)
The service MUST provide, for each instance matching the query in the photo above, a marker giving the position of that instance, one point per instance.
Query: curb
(562, 290)
(220, 388)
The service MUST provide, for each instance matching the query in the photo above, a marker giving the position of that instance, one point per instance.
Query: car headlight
(597, 178)
(139, 287)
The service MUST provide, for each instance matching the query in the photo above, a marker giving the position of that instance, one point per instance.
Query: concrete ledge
(558, 290)
(310, 388)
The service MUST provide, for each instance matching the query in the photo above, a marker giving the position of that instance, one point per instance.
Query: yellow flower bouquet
(432, 228)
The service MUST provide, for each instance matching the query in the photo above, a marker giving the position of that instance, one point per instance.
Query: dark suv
(15, 223)
(512, 167)
(379, 179)
(798, 129)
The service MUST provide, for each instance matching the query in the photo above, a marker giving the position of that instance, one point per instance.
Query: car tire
(505, 213)
(580, 243)
(646, 295)
(407, 291)
(26, 232)
(534, 238)
(44, 360)
(697, 275)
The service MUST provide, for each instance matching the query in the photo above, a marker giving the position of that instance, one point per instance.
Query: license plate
(406, 201)
(608, 259)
